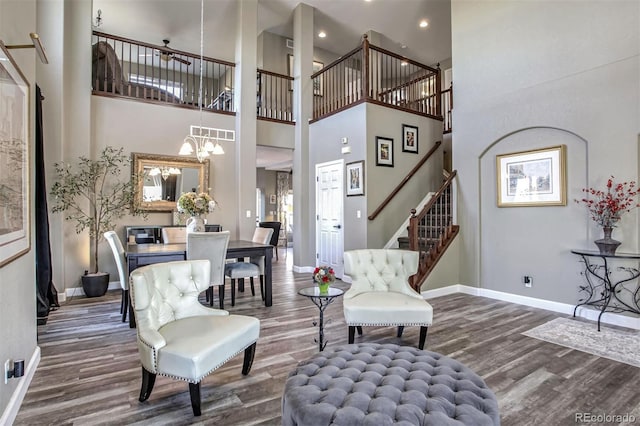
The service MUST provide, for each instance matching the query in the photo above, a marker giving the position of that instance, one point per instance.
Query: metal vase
(607, 245)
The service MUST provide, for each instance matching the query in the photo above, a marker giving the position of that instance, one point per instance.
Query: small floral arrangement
(324, 275)
(196, 204)
(607, 207)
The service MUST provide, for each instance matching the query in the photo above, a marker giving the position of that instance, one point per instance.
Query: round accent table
(375, 384)
(321, 300)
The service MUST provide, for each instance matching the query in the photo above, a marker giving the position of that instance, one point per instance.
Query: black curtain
(46, 295)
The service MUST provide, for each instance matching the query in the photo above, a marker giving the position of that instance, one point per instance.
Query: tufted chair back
(166, 292)
(380, 270)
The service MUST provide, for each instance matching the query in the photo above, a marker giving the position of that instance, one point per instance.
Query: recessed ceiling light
(322, 34)
(367, 1)
(424, 23)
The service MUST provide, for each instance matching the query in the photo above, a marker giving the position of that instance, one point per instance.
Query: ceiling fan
(167, 54)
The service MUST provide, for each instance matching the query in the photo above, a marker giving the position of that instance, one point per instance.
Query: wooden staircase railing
(402, 183)
(432, 230)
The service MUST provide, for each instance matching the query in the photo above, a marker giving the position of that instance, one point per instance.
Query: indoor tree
(94, 194)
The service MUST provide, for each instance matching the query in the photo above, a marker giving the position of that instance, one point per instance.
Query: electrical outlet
(527, 280)
(7, 368)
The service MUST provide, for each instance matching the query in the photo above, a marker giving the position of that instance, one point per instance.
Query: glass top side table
(321, 300)
(605, 290)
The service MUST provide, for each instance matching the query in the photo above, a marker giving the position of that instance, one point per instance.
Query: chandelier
(200, 139)
(164, 171)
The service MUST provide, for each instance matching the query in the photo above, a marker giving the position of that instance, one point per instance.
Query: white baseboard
(79, 292)
(11, 411)
(303, 269)
(563, 308)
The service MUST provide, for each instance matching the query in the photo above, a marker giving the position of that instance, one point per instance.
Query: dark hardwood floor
(90, 373)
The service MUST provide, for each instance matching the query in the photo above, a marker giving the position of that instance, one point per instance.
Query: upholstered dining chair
(213, 247)
(380, 294)
(121, 263)
(275, 236)
(174, 234)
(178, 337)
(253, 268)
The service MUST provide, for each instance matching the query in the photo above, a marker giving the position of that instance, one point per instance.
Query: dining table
(146, 254)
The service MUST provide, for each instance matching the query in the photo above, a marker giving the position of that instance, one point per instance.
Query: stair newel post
(413, 245)
(365, 64)
(439, 92)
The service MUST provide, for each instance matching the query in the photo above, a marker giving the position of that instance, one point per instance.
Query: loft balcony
(161, 75)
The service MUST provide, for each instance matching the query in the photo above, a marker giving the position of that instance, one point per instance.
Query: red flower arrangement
(607, 207)
(324, 275)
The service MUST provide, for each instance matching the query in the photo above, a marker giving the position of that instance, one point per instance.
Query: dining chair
(211, 246)
(121, 263)
(276, 234)
(180, 338)
(253, 268)
(174, 235)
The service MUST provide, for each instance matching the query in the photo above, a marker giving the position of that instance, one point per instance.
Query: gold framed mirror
(163, 178)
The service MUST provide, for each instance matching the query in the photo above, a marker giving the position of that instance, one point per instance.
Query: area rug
(618, 345)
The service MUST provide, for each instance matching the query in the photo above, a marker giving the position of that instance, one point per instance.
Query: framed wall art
(355, 178)
(532, 178)
(409, 138)
(384, 151)
(14, 160)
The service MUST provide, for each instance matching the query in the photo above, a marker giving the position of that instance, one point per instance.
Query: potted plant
(94, 195)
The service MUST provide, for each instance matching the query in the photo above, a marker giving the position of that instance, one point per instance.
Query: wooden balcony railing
(371, 74)
(274, 97)
(447, 107)
(158, 74)
(432, 230)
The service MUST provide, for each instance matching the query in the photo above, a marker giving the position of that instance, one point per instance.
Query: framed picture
(318, 87)
(409, 138)
(14, 160)
(384, 151)
(355, 178)
(272, 199)
(532, 178)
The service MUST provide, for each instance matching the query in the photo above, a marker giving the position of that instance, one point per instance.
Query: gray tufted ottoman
(376, 385)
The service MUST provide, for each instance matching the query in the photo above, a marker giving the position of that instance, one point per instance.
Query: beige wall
(17, 279)
(530, 75)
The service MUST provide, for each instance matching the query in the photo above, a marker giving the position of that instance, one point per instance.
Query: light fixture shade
(217, 150)
(208, 146)
(186, 148)
(154, 172)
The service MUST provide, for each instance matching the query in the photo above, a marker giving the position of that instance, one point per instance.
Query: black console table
(606, 284)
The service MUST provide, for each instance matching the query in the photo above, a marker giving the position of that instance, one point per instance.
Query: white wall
(159, 129)
(360, 125)
(387, 122)
(17, 279)
(325, 144)
(537, 74)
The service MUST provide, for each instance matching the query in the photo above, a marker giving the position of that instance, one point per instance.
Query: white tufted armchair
(380, 293)
(180, 338)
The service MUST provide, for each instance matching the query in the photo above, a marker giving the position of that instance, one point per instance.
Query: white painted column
(304, 219)
(245, 99)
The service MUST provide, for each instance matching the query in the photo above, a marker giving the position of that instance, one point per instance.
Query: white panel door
(329, 215)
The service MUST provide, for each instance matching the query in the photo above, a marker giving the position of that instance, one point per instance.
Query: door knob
(337, 226)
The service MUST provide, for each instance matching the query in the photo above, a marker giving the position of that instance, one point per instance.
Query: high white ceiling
(344, 21)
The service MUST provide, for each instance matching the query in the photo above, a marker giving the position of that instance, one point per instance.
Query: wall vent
(289, 43)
